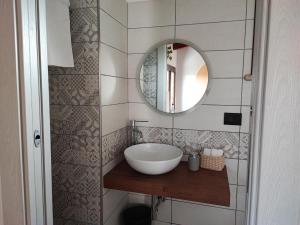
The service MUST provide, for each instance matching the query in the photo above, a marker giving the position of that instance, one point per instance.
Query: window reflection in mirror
(173, 77)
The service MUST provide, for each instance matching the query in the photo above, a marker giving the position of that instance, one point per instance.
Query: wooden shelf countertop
(204, 186)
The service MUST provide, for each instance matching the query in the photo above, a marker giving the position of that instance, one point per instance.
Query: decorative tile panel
(74, 90)
(155, 135)
(69, 178)
(191, 140)
(65, 151)
(86, 60)
(83, 3)
(70, 206)
(113, 145)
(84, 25)
(195, 140)
(75, 120)
(76, 209)
(93, 210)
(75, 124)
(93, 181)
(76, 179)
(244, 146)
(227, 141)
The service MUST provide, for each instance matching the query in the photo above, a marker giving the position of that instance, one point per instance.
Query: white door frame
(258, 88)
(34, 96)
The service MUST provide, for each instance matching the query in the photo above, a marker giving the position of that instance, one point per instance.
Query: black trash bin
(137, 215)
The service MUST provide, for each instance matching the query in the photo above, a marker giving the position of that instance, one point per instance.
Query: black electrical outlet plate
(233, 119)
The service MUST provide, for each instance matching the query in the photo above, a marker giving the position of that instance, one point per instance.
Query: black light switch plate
(233, 119)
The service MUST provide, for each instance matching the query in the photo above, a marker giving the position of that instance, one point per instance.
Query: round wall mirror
(173, 77)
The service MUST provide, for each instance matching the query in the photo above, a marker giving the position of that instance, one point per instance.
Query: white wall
(279, 183)
(114, 99)
(223, 30)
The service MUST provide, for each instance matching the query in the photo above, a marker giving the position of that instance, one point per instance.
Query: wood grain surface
(204, 186)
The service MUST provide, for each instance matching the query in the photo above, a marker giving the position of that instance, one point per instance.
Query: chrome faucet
(135, 132)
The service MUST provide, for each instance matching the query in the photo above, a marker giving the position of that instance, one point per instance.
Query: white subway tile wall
(196, 214)
(250, 9)
(110, 201)
(223, 30)
(133, 92)
(241, 198)
(114, 99)
(115, 217)
(225, 64)
(112, 32)
(152, 14)
(224, 92)
(139, 111)
(116, 9)
(249, 34)
(240, 218)
(207, 117)
(114, 90)
(214, 36)
(193, 11)
(113, 62)
(133, 63)
(141, 39)
(242, 176)
(114, 117)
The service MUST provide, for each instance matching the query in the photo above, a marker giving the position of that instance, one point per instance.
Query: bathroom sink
(153, 159)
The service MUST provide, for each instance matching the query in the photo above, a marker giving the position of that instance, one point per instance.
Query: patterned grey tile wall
(75, 120)
(75, 124)
(83, 3)
(191, 140)
(155, 135)
(86, 60)
(84, 25)
(244, 146)
(196, 140)
(74, 208)
(74, 89)
(113, 145)
(227, 141)
(76, 179)
(78, 150)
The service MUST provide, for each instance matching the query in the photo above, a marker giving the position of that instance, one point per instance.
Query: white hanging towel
(59, 33)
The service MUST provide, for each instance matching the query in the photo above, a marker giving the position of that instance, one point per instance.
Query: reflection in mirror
(173, 77)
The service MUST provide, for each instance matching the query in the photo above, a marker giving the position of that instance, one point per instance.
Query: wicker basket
(216, 163)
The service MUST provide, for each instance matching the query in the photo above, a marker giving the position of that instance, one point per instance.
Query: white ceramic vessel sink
(153, 159)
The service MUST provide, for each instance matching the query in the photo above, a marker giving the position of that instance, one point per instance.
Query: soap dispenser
(194, 161)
